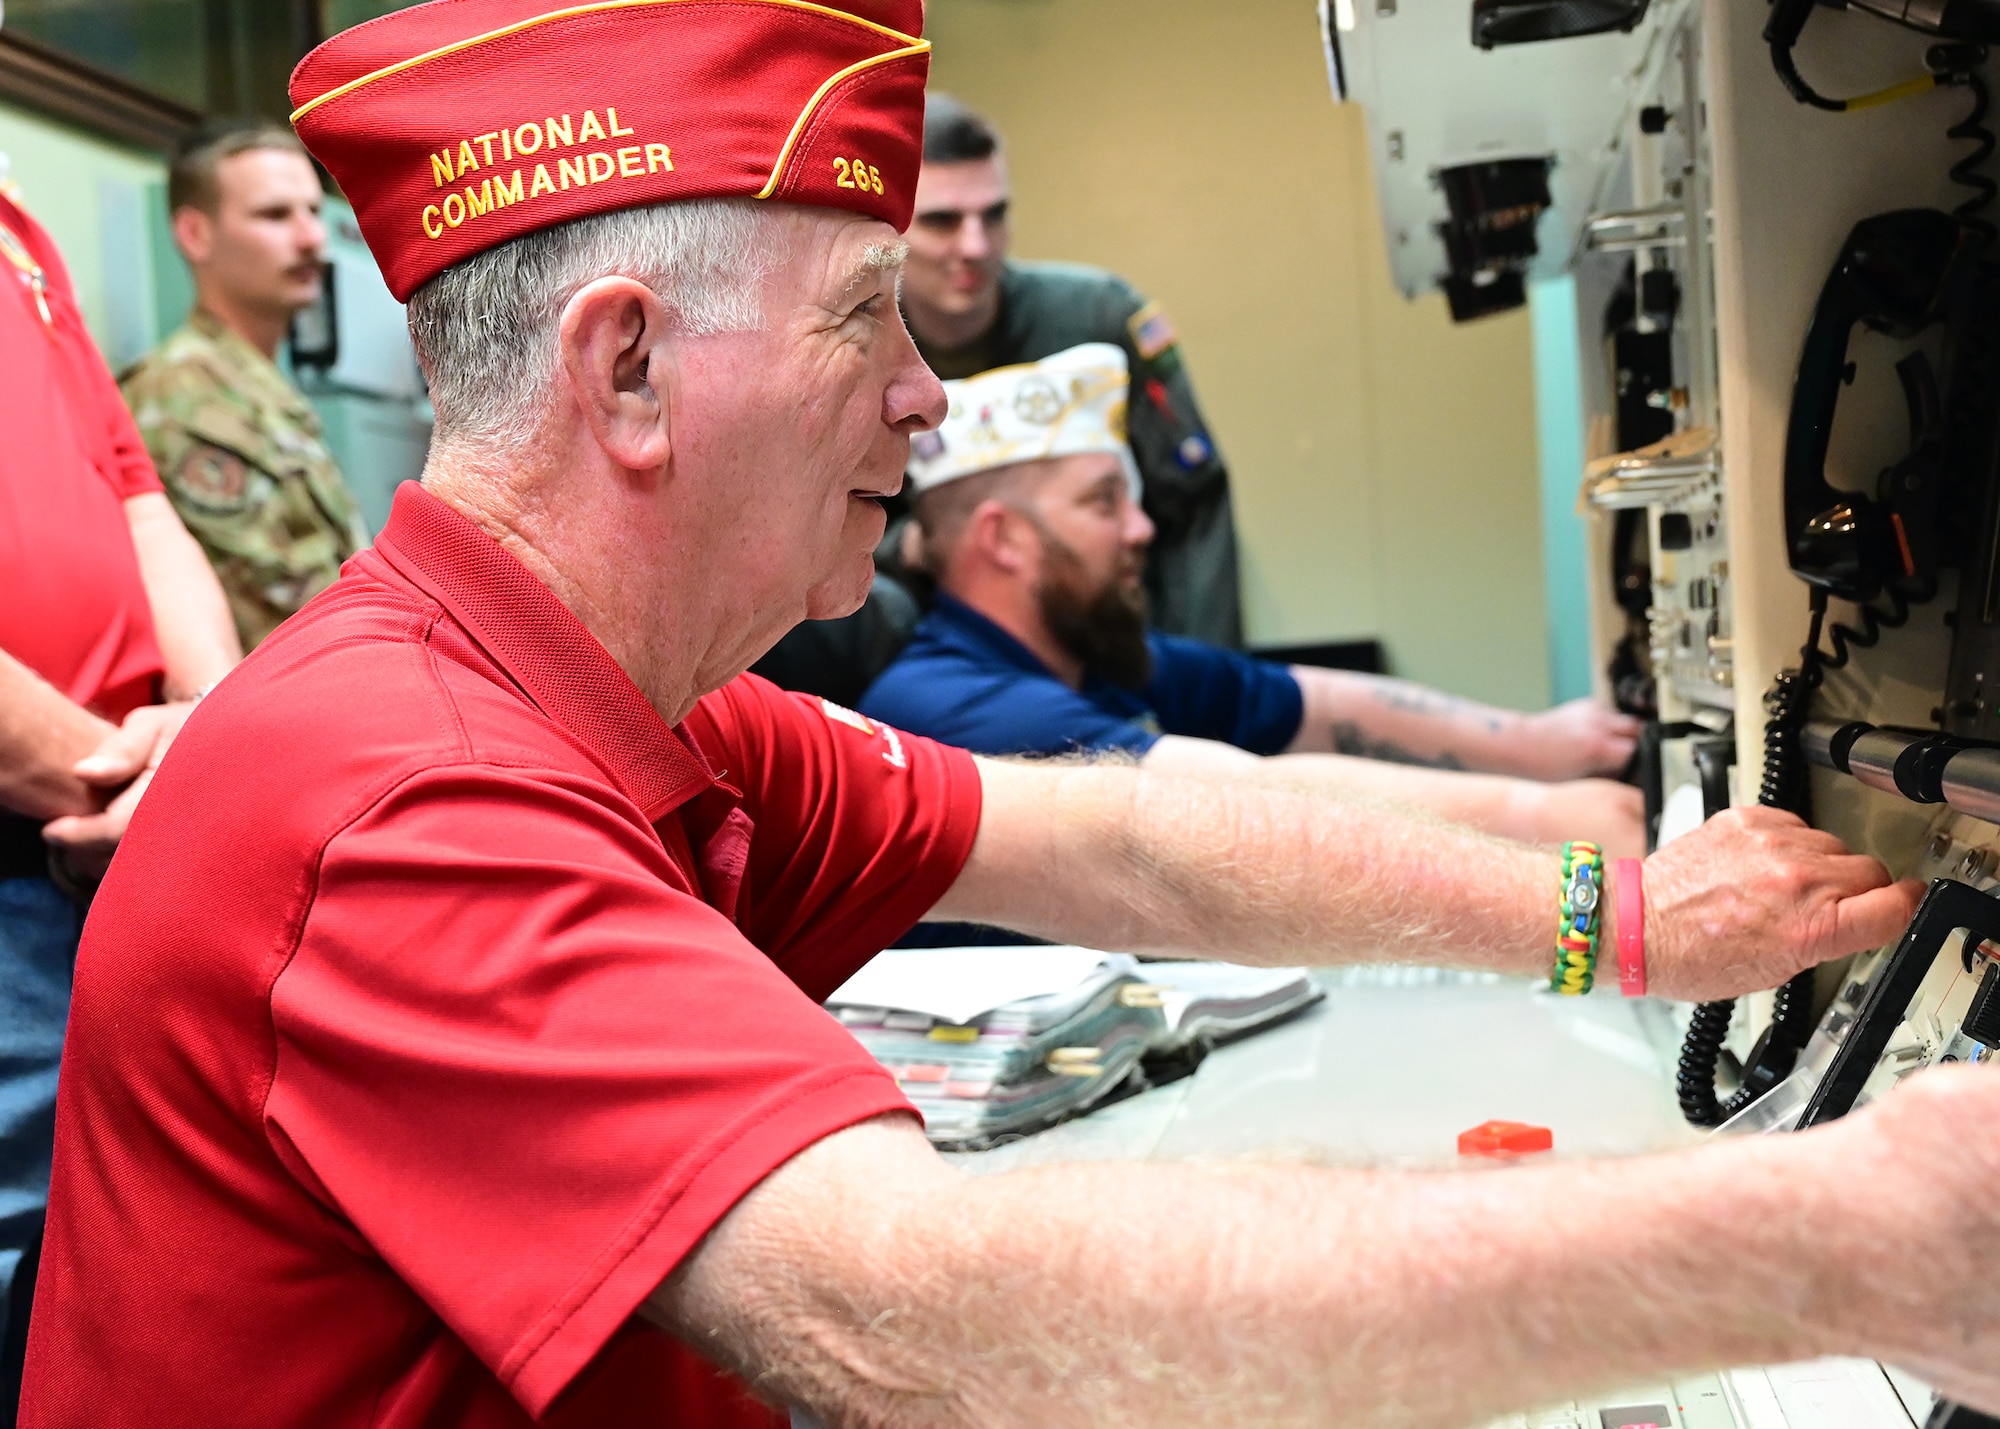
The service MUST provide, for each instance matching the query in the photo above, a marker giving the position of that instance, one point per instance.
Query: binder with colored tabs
(992, 1043)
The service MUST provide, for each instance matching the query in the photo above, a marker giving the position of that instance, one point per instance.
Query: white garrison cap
(1065, 405)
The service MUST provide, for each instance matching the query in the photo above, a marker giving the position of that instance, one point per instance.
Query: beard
(1104, 626)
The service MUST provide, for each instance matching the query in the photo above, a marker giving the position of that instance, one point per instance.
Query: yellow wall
(100, 201)
(1384, 460)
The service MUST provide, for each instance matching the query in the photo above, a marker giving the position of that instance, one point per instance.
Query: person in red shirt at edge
(446, 1044)
(111, 624)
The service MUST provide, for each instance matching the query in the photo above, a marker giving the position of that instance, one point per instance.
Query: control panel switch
(1982, 1018)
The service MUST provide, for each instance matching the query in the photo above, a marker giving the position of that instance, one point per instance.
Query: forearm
(1497, 804)
(191, 619)
(1376, 717)
(1257, 1295)
(42, 735)
(1526, 810)
(1254, 872)
(1492, 803)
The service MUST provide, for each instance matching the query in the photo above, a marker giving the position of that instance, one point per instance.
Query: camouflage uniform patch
(214, 479)
(238, 449)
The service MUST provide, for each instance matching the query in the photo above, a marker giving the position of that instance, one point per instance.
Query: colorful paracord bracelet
(1579, 909)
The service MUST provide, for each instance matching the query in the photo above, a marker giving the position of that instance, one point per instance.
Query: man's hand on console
(1389, 1300)
(1138, 860)
(1293, 1296)
(1755, 895)
(1379, 717)
(120, 769)
(1608, 813)
(1577, 740)
(1931, 1161)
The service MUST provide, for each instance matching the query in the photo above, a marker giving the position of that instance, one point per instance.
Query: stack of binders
(992, 1043)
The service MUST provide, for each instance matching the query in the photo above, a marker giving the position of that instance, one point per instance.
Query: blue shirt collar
(957, 625)
(953, 622)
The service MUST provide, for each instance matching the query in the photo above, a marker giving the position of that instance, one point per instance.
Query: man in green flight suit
(237, 446)
(972, 309)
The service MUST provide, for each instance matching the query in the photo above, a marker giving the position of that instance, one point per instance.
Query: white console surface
(1391, 1067)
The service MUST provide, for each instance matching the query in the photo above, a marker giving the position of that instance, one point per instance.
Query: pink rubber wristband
(1628, 886)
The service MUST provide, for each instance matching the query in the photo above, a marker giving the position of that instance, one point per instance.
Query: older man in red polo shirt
(107, 609)
(449, 1028)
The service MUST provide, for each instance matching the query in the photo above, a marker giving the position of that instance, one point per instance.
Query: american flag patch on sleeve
(1152, 331)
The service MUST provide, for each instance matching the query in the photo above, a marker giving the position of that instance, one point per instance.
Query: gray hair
(485, 329)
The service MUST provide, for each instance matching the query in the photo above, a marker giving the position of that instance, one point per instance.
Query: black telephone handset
(1965, 25)
(1975, 20)
(1896, 273)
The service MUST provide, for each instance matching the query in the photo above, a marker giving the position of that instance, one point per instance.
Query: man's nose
(311, 234)
(1139, 528)
(915, 401)
(974, 239)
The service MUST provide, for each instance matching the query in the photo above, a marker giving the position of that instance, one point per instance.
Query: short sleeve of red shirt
(851, 818)
(73, 606)
(538, 1092)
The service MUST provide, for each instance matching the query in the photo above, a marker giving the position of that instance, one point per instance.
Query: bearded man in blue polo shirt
(1028, 502)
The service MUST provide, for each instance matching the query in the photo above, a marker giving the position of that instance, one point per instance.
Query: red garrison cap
(455, 126)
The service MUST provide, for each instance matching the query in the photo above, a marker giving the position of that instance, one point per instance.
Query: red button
(1505, 1138)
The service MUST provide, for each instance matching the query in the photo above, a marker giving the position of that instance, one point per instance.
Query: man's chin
(842, 594)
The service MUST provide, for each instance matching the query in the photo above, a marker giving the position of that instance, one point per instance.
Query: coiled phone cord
(1846, 639)
(1785, 782)
(1955, 68)
(1784, 786)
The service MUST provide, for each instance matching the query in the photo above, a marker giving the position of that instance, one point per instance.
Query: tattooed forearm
(1407, 698)
(1377, 717)
(1381, 718)
(1351, 738)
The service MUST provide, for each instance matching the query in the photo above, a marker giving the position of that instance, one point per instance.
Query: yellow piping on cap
(451, 49)
(916, 47)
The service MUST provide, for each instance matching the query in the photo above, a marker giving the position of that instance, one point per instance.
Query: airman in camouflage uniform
(239, 450)
(971, 309)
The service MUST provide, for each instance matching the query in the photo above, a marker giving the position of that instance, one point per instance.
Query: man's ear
(194, 234)
(614, 342)
(1004, 536)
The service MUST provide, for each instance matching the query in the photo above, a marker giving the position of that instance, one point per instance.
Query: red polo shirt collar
(544, 648)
